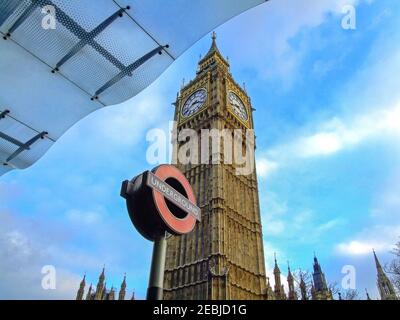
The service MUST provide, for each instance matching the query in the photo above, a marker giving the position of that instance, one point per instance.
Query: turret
(212, 57)
(89, 293)
(81, 291)
(290, 279)
(278, 289)
(270, 295)
(100, 288)
(122, 291)
(111, 295)
(385, 287)
(319, 289)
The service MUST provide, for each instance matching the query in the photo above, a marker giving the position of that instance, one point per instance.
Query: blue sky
(328, 155)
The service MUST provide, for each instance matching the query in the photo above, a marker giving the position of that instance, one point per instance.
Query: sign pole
(156, 280)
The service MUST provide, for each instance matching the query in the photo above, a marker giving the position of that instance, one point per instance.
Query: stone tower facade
(319, 289)
(223, 257)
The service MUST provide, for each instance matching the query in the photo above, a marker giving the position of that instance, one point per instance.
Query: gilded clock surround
(187, 98)
(245, 105)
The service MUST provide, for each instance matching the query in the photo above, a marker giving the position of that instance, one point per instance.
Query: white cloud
(384, 220)
(381, 238)
(281, 221)
(312, 231)
(335, 135)
(359, 248)
(24, 253)
(386, 203)
(327, 226)
(265, 167)
(302, 218)
(125, 124)
(279, 22)
(86, 217)
(274, 227)
(323, 143)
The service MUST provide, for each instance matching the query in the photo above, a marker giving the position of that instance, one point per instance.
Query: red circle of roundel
(180, 226)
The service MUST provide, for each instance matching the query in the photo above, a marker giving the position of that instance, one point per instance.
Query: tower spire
(100, 288)
(214, 100)
(278, 289)
(122, 291)
(320, 289)
(368, 297)
(111, 294)
(292, 292)
(377, 263)
(89, 293)
(213, 47)
(212, 58)
(385, 286)
(81, 291)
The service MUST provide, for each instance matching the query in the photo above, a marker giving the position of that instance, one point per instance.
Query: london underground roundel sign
(161, 200)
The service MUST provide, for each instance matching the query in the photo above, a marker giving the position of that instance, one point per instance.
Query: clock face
(238, 106)
(194, 103)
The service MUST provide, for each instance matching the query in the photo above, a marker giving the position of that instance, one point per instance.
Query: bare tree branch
(393, 268)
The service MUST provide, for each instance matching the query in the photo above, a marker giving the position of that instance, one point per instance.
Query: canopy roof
(99, 53)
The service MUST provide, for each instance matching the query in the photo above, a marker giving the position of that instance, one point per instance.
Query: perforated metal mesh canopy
(63, 59)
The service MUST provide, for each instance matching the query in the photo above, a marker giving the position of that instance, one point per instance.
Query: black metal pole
(156, 281)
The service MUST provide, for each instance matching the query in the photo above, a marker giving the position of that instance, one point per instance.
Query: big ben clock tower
(223, 257)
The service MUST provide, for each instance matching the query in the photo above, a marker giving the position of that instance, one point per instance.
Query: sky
(327, 122)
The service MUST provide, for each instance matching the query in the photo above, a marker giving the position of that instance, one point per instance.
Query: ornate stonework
(223, 257)
(101, 292)
(385, 286)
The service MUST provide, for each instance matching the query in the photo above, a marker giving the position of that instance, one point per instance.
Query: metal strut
(73, 27)
(21, 145)
(88, 38)
(4, 113)
(28, 11)
(7, 10)
(12, 140)
(26, 145)
(129, 69)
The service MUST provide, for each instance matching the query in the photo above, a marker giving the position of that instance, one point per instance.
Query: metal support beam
(156, 280)
(27, 145)
(28, 11)
(8, 9)
(72, 26)
(4, 113)
(129, 69)
(81, 33)
(88, 38)
(13, 141)
(24, 146)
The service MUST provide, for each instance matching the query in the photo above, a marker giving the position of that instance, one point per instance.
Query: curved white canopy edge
(97, 53)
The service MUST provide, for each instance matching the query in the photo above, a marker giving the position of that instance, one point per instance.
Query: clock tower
(222, 258)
